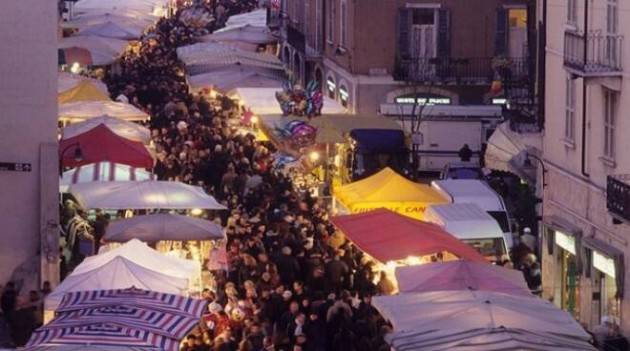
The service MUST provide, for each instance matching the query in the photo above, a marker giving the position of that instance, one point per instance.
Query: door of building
(517, 33)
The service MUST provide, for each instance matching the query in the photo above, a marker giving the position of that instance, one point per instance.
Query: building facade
(587, 195)
(29, 170)
(371, 53)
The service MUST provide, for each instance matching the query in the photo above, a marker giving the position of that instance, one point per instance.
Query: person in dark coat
(288, 267)
(336, 272)
(465, 153)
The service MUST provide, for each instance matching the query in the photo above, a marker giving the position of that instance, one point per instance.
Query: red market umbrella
(389, 236)
(101, 144)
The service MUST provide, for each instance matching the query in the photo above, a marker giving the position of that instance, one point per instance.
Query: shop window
(343, 96)
(331, 87)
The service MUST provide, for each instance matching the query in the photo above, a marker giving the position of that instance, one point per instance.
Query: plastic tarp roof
(101, 144)
(389, 190)
(111, 29)
(205, 57)
(243, 33)
(255, 18)
(83, 91)
(102, 50)
(465, 310)
(262, 101)
(102, 172)
(163, 226)
(507, 150)
(464, 220)
(68, 81)
(125, 129)
(461, 275)
(80, 111)
(236, 77)
(389, 236)
(379, 140)
(138, 195)
(132, 265)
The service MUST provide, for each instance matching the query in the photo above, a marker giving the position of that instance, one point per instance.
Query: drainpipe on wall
(584, 92)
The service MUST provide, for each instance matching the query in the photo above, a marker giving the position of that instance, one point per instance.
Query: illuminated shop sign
(565, 241)
(604, 264)
(424, 100)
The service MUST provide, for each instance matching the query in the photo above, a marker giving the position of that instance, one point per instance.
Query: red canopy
(389, 236)
(101, 144)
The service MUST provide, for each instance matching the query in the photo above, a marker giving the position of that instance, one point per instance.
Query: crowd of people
(291, 284)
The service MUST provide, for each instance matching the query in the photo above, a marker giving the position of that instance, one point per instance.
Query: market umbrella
(163, 226)
(150, 194)
(112, 29)
(464, 310)
(83, 91)
(389, 236)
(125, 129)
(101, 144)
(67, 81)
(80, 111)
(103, 51)
(461, 275)
(102, 172)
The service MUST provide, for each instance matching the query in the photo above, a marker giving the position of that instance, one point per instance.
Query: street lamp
(78, 155)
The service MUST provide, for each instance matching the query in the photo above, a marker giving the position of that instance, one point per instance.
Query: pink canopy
(461, 275)
(389, 236)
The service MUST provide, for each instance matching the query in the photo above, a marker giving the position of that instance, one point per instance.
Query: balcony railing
(597, 55)
(460, 70)
(618, 196)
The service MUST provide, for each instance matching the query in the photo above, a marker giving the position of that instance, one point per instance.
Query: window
(318, 24)
(569, 114)
(343, 37)
(331, 87)
(572, 12)
(612, 25)
(330, 30)
(612, 17)
(343, 95)
(610, 111)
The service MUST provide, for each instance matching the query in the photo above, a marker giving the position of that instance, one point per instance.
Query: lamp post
(78, 155)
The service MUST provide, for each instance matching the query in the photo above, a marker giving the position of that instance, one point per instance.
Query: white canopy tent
(96, 16)
(205, 57)
(255, 18)
(102, 172)
(125, 129)
(138, 195)
(67, 81)
(508, 150)
(147, 7)
(262, 101)
(111, 29)
(103, 50)
(464, 310)
(133, 264)
(83, 110)
(235, 77)
(163, 226)
(242, 33)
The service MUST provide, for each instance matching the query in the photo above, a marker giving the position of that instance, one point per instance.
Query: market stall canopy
(242, 33)
(80, 347)
(163, 226)
(102, 144)
(84, 91)
(80, 111)
(132, 264)
(140, 7)
(262, 101)
(137, 195)
(484, 339)
(97, 16)
(102, 172)
(461, 275)
(388, 236)
(236, 77)
(388, 189)
(125, 129)
(206, 57)
(69, 81)
(508, 151)
(103, 51)
(465, 310)
(111, 29)
(467, 221)
(256, 18)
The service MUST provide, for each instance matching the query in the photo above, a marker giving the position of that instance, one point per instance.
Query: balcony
(459, 71)
(618, 196)
(597, 55)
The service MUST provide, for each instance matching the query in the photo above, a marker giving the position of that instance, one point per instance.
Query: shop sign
(424, 101)
(604, 264)
(565, 241)
(499, 101)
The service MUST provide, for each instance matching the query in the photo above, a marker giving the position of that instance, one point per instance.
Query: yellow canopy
(84, 91)
(388, 189)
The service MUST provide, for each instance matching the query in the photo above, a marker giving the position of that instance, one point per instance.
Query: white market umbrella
(103, 50)
(111, 29)
(150, 194)
(80, 111)
(125, 129)
(102, 172)
(464, 310)
(67, 81)
(163, 226)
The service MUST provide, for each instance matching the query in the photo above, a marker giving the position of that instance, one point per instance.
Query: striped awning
(143, 319)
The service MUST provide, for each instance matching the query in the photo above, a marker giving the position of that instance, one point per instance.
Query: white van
(477, 192)
(472, 225)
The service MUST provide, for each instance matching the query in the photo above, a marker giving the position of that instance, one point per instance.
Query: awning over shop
(508, 150)
(83, 91)
(388, 236)
(388, 189)
(379, 140)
